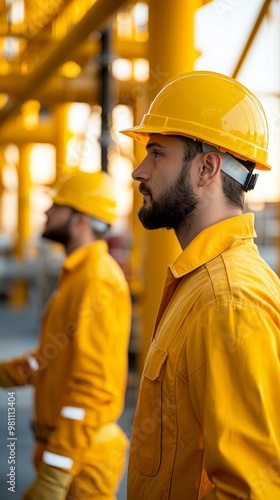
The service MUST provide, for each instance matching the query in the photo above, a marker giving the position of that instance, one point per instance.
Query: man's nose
(142, 172)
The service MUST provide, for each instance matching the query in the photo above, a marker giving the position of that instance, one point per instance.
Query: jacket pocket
(145, 450)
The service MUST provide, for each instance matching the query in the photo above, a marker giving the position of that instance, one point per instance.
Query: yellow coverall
(79, 372)
(207, 422)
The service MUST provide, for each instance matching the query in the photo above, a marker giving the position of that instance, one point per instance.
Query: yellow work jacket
(207, 422)
(79, 370)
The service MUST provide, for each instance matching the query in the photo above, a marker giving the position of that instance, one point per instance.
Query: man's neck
(75, 244)
(190, 230)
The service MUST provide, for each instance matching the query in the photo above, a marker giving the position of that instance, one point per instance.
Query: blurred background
(72, 74)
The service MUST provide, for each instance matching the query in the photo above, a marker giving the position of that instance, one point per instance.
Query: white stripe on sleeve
(73, 412)
(57, 460)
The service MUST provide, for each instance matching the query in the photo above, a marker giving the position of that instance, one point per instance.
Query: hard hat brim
(142, 133)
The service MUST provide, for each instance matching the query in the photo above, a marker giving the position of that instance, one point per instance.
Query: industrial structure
(72, 74)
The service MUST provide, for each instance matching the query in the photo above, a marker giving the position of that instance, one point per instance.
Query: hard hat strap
(99, 225)
(234, 168)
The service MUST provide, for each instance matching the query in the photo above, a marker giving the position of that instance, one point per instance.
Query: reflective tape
(57, 460)
(73, 412)
(33, 363)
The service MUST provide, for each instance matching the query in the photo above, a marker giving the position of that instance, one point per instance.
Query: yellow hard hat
(90, 193)
(213, 108)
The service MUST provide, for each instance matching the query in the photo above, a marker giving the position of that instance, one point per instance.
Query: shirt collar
(212, 241)
(77, 256)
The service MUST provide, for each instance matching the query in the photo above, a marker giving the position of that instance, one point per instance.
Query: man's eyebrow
(153, 144)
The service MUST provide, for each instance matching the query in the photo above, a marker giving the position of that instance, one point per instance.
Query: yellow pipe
(62, 137)
(19, 291)
(171, 51)
(137, 278)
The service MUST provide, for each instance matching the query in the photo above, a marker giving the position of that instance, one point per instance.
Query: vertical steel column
(20, 288)
(62, 137)
(171, 52)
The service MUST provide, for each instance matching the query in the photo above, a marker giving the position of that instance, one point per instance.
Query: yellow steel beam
(15, 132)
(84, 88)
(252, 36)
(94, 19)
(130, 49)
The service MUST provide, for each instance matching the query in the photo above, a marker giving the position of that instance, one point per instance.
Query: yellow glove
(5, 379)
(51, 484)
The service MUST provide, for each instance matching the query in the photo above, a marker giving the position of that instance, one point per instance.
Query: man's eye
(155, 153)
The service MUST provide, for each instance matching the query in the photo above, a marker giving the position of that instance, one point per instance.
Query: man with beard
(79, 369)
(207, 421)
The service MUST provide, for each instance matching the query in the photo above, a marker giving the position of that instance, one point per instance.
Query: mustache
(144, 189)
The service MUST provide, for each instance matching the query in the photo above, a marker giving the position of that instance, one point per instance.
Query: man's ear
(209, 169)
(80, 219)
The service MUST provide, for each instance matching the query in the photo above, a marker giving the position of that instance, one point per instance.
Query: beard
(173, 208)
(59, 234)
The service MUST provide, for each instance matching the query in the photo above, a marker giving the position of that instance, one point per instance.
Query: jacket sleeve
(96, 382)
(234, 382)
(17, 371)
(50, 483)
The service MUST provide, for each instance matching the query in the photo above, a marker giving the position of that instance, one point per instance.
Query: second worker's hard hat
(89, 193)
(212, 108)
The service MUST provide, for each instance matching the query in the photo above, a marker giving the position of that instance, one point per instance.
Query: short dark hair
(233, 191)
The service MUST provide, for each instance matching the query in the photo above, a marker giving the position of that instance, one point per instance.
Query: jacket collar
(74, 259)
(212, 241)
